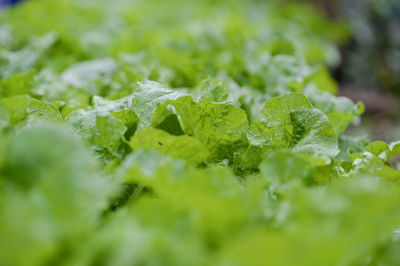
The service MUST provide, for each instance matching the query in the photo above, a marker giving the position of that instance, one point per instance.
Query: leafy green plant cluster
(184, 133)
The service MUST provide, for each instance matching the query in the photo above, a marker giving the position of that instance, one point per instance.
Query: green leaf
(82, 74)
(148, 96)
(288, 122)
(281, 167)
(109, 132)
(214, 90)
(220, 127)
(107, 125)
(27, 58)
(369, 164)
(52, 189)
(332, 219)
(324, 81)
(313, 136)
(4, 117)
(16, 84)
(340, 111)
(275, 128)
(349, 145)
(121, 109)
(98, 130)
(377, 147)
(183, 147)
(278, 74)
(29, 111)
(383, 150)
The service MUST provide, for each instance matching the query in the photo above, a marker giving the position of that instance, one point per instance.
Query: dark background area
(370, 67)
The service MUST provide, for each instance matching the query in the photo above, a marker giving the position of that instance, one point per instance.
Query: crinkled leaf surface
(220, 127)
(290, 122)
(275, 128)
(103, 132)
(148, 96)
(313, 136)
(184, 147)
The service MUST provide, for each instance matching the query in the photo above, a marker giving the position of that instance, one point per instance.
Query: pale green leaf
(183, 147)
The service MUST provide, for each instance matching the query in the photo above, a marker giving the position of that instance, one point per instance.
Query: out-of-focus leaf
(383, 150)
(321, 217)
(25, 60)
(16, 84)
(82, 74)
(340, 111)
(35, 219)
(29, 111)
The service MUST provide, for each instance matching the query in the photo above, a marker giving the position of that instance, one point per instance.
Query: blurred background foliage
(370, 69)
(360, 43)
(372, 58)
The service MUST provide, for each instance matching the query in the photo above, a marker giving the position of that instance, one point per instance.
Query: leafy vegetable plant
(185, 133)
